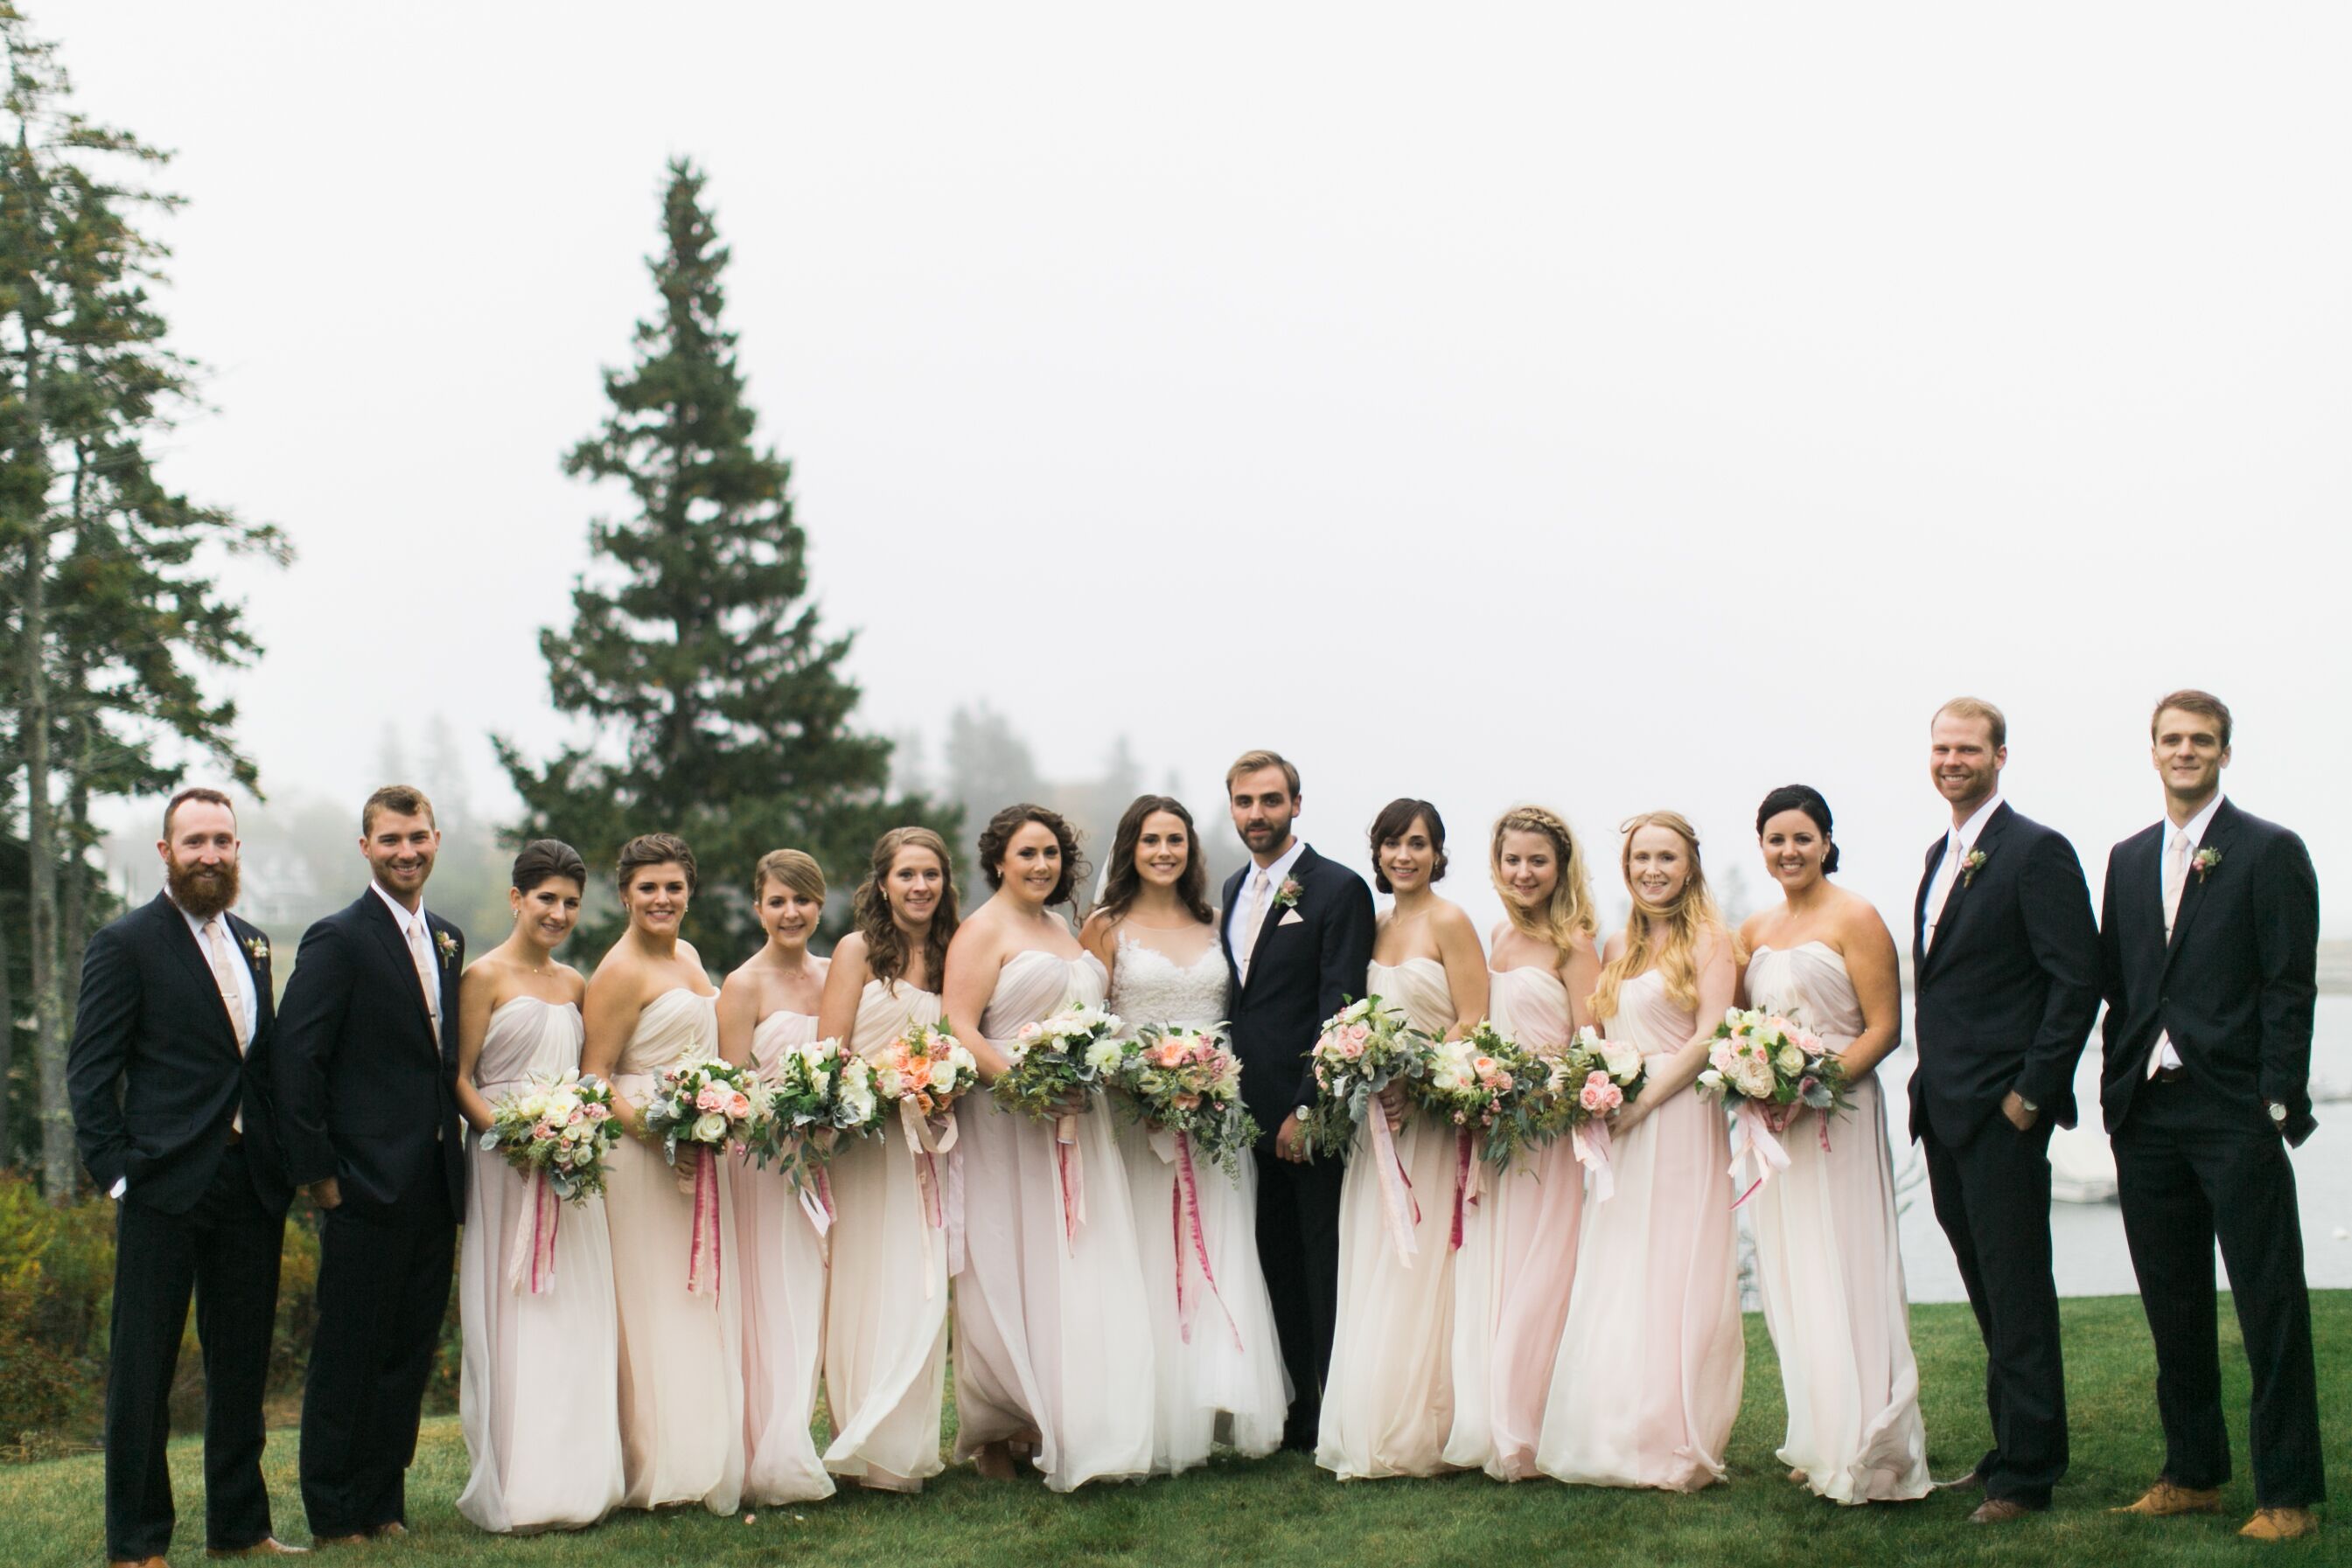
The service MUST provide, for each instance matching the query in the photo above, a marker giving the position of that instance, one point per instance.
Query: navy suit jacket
(1301, 972)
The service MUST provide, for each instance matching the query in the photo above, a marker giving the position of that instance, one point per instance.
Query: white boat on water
(2081, 1165)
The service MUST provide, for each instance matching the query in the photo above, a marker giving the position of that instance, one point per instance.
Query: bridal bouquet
(1364, 1047)
(923, 1072)
(557, 1129)
(1189, 1082)
(555, 1132)
(1071, 1051)
(1590, 1083)
(815, 1094)
(1770, 1067)
(705, 1105)
(1485, 1083)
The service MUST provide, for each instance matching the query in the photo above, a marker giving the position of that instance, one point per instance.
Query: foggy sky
(1609, 406)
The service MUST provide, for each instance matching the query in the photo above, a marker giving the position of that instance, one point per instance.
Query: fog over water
(1611, 406)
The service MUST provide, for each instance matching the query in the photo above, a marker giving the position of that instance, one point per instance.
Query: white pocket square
(1289, 917)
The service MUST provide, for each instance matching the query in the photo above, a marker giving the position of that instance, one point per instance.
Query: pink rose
(599, 1113)
(1352, 1049)
(739, 1106)
(543, 1131)
(712, 1098)
(1359, 1032)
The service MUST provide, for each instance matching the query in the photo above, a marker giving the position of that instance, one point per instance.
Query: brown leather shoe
(2165, 1500)
(2280, 1524)
(1999, 1510)
(391, 1529)
(359, 1539)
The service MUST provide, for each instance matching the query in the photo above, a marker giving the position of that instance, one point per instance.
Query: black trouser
(225, 1249)
(1299, 1251)
(2189, 1173)
(383, 1288)
(1992, 1198)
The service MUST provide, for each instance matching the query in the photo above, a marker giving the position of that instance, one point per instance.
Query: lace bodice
(1150, 987)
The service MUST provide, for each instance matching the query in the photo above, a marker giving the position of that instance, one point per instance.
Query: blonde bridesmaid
(885, 1351)
(1647, 1383)
(650, 1004)
(545, 1442)
(1517, 1264)
(1827, 1263)
(1388, 1403)
(768, 1006)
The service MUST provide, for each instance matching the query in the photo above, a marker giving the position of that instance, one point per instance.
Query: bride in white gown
(1221, 1375)
(1043, 1368)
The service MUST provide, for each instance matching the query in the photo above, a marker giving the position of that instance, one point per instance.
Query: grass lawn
(1284, 1510)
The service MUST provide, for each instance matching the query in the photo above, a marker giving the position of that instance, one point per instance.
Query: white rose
(890, 1081)
(1624, 1061)
(711, 1128)
(858, 1103)
(1789, 1058)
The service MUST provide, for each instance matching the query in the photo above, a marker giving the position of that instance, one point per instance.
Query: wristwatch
(2278, 1113)
(2031, 1108)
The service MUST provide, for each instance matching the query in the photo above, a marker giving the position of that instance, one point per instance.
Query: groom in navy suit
(2209, 947)
(1298, 932)
(2005, 958)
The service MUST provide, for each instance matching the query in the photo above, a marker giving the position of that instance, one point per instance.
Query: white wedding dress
(1221, 1377)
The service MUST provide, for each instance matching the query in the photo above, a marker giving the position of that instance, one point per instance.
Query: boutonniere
(1287, 895)
(2207, 858)
(449, 945)
(257, 949)
(1971, 863)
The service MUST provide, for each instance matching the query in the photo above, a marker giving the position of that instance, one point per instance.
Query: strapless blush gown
(783, 1274)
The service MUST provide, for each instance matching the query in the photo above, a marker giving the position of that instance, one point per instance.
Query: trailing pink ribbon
(942, 1193)
(1396, 1187)
(1751, 1134)
(1588, 1140)
(1073, 1185)
(532, 1251)
(702, 1259)
(817, 1203)
(1184, 1220)
(1467, 1184)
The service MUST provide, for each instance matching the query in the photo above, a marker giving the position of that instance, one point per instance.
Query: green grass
(1284, 1510)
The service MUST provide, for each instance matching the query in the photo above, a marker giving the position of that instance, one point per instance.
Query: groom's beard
(203, 891)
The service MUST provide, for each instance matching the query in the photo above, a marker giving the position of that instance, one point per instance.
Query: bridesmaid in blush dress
(1388, 1403)
(1049, 1365)
(545, 1442)
(649, 1005)
(1827, 1264)
(1222, 1376)
(765, 1008)
(885, 1349)
(1646, 1384)
(1517, 1261)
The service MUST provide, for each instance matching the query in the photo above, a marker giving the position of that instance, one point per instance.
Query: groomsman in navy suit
(169, 1071)
(1298, 934)
(2209, 946)
(366, 1079)
(2005, 984)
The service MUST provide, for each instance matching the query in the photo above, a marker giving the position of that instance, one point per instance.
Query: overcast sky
(1612, 406)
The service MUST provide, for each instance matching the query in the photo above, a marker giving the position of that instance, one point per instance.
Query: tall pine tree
(718, 710)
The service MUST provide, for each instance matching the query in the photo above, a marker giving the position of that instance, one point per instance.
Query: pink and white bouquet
(1769, 1067)
(1073, 1050)
(1484, 1084)
(922, 1073)
(557, 1128)
(1365, 1047)
(1590, 1082)
(707, 1105)
(1187, 1081)
(814, 1097)
(555, 1132)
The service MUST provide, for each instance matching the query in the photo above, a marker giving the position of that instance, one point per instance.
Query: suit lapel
(387, 933)
(1919, 907)
(256, 971)
(2192, 892)
(182, 941)
(1956, 902)
(1274, 909)
(1225, 918)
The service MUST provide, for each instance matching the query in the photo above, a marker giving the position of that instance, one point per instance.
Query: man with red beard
(169, 1071)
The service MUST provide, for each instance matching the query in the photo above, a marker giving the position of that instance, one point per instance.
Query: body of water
(2088, 1238)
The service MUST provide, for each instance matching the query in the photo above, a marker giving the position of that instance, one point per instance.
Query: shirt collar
(398, 914)
(1280, 869)
(197, 923)
(2198, 826)
(1966, 834)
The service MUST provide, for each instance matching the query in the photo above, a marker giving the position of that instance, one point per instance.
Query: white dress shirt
(416, 922)
(2162, 1055)
(240, 973)
(1237, 917)
(1957, 845)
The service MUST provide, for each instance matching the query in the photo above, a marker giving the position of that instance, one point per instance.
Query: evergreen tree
(101, 564)
(718, 712)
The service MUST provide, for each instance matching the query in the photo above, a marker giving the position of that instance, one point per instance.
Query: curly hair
(997, 834)
(1690, 916)
(1806, 799)
(1123, 882)
(1569, 913)
(1396, 819)
(869, 908)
